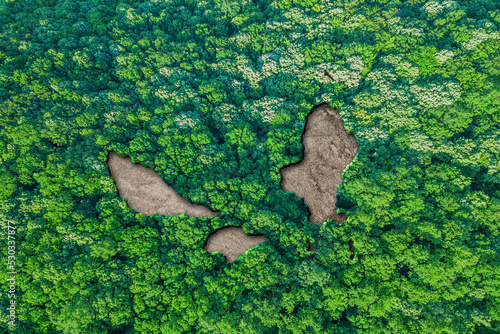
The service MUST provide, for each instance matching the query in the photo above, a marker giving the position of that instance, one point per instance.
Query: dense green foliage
(213, 95)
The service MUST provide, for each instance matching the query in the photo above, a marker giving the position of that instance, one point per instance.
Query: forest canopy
(213, 95)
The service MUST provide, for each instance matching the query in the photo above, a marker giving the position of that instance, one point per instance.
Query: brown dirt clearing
(146, 192)
(328, 149)
(232, 241)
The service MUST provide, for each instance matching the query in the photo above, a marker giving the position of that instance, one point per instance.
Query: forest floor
(146, 192)
(232, 242)
(328, 149)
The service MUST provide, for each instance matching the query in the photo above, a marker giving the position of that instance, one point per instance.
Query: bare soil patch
(146, 192)
(351, 249)
(232, 241)
(311, 246)
(328, 149)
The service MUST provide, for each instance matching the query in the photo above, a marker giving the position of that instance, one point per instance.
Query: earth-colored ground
(311, 247)
(328, 149)
(351, 249)
(232, 242)
(146, 192)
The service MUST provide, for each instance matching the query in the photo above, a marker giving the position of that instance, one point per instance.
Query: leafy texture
(214, 95)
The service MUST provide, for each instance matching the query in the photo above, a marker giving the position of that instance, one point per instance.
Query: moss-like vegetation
(214, 95)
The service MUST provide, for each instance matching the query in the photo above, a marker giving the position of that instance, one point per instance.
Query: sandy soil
(328, 149)
(147, 192)
(232, 242)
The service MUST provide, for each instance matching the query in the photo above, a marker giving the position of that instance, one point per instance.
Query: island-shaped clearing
(328, 149)
(232, 242)
(146, 192)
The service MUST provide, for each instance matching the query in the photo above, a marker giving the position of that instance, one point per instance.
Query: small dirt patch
(146, 192)
(351, 249)
(232, 241)
(328, 149)
(311, 246)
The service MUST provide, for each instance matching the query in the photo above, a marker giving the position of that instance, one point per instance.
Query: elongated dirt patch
(232, 241)
(328, 149)
(146, 192)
